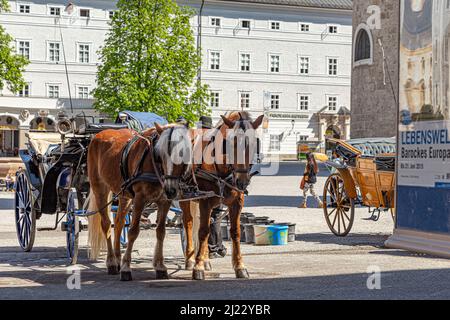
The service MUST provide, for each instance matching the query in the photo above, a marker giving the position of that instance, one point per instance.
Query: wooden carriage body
(365, 175)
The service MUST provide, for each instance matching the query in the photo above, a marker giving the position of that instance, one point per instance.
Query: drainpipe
(199, 41)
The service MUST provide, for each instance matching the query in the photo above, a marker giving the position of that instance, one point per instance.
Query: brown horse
(157, 160)
(215, 168)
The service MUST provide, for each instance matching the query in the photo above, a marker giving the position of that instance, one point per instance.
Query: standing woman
(309, 180)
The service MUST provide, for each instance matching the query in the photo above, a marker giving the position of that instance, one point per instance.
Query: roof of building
(328, 4)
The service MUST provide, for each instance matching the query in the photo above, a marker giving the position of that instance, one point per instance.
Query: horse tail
(195, 212)
(96, 238)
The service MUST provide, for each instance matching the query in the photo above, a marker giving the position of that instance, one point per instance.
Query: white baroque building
(288, 59)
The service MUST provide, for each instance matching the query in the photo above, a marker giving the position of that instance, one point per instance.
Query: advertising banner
(423, 155)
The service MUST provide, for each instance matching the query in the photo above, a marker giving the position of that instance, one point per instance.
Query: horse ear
(158, 128)
(228, 122)
(257, 123)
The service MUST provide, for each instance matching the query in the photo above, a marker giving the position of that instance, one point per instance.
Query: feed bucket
(291, 233)
(261, 235)
(278, 235)
(249, 233)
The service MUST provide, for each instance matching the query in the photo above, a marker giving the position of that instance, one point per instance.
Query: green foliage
(149, 62)
(11, 65)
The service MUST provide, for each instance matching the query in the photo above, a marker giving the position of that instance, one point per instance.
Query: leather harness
(138, 175)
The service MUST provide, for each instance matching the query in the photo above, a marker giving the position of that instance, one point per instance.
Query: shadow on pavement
(296, 169)
(355, 239)
(96, 284)
(6, 204)
(279, 201)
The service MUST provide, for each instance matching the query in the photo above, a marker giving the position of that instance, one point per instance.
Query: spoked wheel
(24, 213)
(339, 209)
(73, 227)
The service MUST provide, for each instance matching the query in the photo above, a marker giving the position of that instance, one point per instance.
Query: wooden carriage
(365, 175)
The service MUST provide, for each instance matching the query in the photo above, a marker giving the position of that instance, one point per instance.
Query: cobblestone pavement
(317, 266)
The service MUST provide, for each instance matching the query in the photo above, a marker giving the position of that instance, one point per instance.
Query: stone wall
(373, 106)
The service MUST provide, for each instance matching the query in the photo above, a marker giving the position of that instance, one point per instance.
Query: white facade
(287, 65)
(278, 60)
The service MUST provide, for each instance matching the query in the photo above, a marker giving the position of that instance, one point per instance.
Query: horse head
(241, 136)
(174, 150)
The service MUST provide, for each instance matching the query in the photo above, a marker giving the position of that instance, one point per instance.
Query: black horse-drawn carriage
(55, 179)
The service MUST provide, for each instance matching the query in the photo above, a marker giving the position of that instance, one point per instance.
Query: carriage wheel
(339, 208)
(24, 213)
(73, 227)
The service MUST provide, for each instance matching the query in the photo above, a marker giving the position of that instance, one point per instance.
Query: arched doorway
(43, 124)
(9, 136)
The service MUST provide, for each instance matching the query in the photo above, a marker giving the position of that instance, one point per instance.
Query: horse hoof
(208, 266)
(162, 275)
(126, 276)
(113, 270)
(198, 275)
(189, 265)
(242, 274)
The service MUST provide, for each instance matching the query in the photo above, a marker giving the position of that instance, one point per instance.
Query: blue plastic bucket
(278, 235)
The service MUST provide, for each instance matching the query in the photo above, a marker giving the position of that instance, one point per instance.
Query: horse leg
(133, 233)
(158, 259)
(119, 222)
(235, 231)
(189, 253)
(205, 215)
(102, 198)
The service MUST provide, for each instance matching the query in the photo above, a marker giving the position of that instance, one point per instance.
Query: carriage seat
(373, 148)
(41, 141)
(93, 128)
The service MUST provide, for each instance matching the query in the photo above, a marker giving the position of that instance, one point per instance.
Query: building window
(245, 24)
(214, 58)
(111, 14)
(215, 22)
(24, 8)
(53, 91)
(214, 101)
(332, 29)
(85, 13)
(25, 91)
(55, 11)
(24, 49)
(83, 92)
(303, 103)
(303, 138)
(332, 103)
(83, 53)
(244, 100)
(304, 27)
(245, 62)
(332, 66)
(54, 51)
(274, 142)
(363, 46)
(274, 63)
(275, 25)
(275, 101)
(304, 65)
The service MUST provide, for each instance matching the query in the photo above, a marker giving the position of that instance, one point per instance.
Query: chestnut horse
(216, 168)
(158, 159)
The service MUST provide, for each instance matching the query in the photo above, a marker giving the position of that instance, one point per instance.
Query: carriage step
(46, 229)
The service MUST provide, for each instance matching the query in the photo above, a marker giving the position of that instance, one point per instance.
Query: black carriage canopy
(140, 121)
